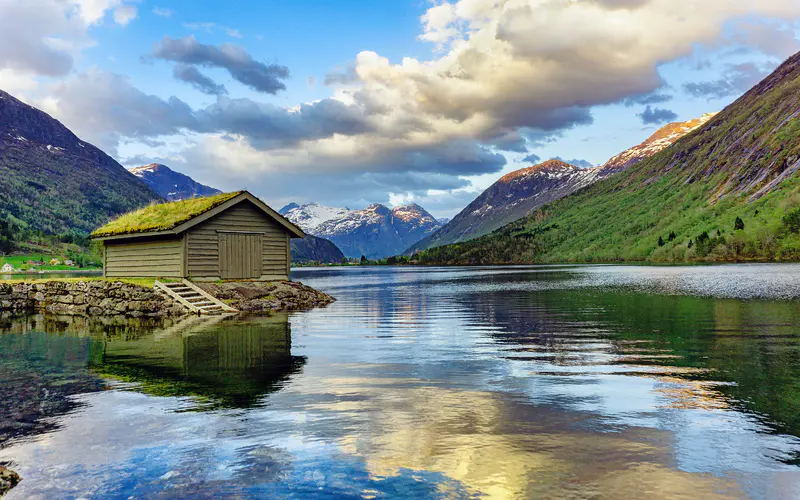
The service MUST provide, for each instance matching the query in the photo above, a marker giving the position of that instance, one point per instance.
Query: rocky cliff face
(53, 182)
(375, 232)
(516, 194)
(171, 185)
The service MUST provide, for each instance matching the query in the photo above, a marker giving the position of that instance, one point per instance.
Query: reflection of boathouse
(228, 362)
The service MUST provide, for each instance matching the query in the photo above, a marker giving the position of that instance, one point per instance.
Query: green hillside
(728, 191)
(54, 188)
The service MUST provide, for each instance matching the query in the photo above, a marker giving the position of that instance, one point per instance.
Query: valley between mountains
(721, 187)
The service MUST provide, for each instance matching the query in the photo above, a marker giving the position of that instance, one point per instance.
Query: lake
(514, 382)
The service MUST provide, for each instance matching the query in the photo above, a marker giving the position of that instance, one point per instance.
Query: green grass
(162, 216)
(20, 263)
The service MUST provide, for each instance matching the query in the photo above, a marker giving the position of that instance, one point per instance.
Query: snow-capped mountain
(309, 217)
(510, 198)
(516, 194)
(664, 137)
(375, 232)
(172, 185)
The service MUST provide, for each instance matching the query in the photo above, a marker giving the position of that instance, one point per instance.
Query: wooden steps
(194, 298)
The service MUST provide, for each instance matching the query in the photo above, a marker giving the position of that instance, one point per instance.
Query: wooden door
(240, 255)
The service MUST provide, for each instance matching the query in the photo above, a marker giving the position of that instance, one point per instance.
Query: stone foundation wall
(97, 298)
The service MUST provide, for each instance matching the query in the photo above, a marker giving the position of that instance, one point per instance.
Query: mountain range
(721, 187)
(333, 233)
(726, 191)
(516, 194)
(170, 184)
(375, 231)
(53, 183)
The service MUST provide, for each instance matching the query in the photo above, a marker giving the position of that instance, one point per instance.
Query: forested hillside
(53, 184)
(313, 249)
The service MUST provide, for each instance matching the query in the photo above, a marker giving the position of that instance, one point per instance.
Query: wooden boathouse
(229, 236)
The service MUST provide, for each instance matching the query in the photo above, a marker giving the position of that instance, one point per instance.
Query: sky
(349, 103)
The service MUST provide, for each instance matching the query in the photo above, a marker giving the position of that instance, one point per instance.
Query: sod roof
(162, 216)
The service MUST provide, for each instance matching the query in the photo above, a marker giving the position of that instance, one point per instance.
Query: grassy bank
(83, 262)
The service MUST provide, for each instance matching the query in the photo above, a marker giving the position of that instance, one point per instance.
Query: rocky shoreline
(273, 296)
(117, 298)
(8, 479)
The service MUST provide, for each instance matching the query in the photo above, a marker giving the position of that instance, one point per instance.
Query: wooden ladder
(194, 298)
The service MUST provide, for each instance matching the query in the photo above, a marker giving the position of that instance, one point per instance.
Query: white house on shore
(7, 268)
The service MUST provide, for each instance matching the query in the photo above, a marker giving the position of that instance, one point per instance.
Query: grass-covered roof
(162, 216)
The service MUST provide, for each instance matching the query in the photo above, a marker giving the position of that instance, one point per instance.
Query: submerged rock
(8, 479)
(270, 296)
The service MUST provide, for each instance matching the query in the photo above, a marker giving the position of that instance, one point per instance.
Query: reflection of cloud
(691, 394)
(501, 449)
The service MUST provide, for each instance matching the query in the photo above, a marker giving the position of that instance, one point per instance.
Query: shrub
(792, 221)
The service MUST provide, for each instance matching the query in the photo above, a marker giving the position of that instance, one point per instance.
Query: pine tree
(660, 241)
(672, 235)
(738, 225)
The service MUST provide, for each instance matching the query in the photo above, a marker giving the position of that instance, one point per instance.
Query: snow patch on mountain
(313, 215)
(375, 231)
(170, 184)
(663, 138)
(518, 193)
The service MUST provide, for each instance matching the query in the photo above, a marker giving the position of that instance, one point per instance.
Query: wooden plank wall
(240, 255)
(144, 258)
(203, 242)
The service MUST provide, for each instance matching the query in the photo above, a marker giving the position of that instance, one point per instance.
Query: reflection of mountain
(701, 350)
(225, 362)
(39, 374)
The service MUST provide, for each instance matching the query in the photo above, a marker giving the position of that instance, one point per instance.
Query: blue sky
(352, 102)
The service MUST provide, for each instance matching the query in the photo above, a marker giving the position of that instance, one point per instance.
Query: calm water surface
(530, 382)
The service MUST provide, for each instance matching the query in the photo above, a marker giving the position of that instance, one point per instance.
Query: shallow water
(524, 382)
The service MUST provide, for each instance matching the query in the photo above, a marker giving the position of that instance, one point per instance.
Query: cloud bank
(508, 76)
